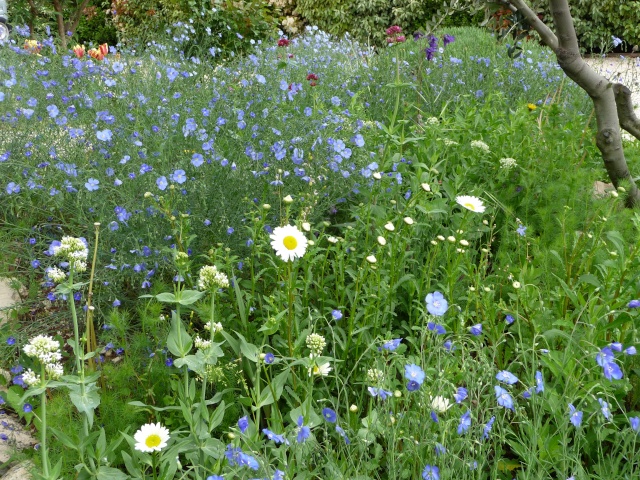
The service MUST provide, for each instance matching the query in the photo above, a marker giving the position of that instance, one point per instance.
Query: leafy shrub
(222, 25)
(366, 20)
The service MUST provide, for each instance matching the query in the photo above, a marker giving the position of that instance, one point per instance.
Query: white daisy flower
(471, 203)
(288, 242)
(152, 437)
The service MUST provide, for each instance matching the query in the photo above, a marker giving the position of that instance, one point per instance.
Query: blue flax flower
(274, 436)
(342, 433)
(575, 416)
(460, 394)
(465, 423)
(504, 398)
(539, 382)
(329, 415)
(634, 304)
(488, 427)
(379, 392)
(303, 431)
(476, 330)
(243, 424)
(414, 373)
(604, 406)
(436, 304)
(391, 345)
(635, 424)
(507, 377)
(431, 473)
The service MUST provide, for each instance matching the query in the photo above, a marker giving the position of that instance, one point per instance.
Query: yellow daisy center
(470, 206)
(290, 242)
(153, 440)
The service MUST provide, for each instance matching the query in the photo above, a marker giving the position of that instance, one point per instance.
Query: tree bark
(627, 116)
(564, 44)
(60, 22)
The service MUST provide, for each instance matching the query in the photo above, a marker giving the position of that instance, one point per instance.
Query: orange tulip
(79, 50)
(95, 53)
(104, 49)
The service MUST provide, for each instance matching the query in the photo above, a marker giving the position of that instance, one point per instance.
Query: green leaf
(187, 297)
(64, 438)
(213, 448)
(194, 362)
(166, 297)
(87, 402)
(217, 416)
(179, 342)
(110, 473)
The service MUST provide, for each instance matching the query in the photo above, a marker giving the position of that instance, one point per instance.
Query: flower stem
(44, 452)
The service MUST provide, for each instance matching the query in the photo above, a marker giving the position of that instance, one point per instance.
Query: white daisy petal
(471, 203)
(151, 437)
(288, 242)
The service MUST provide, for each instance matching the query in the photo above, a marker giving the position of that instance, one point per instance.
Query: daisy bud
(288, 199)
(382, 241)
(516, 284)
(389, 226)
(451, 238)
(408, 220)
(306, 226)
(353, 408)
(377, 175)
(371, 259)
(464, 243)
(441, 238)
(426, 187)
(266, 206)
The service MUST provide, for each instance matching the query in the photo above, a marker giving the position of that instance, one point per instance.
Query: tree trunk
(601, 91)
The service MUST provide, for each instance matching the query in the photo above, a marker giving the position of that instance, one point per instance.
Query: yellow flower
(531, 106)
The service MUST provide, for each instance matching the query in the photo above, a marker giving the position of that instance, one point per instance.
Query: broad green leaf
(179, 342)
(110, 473)
(187, 297)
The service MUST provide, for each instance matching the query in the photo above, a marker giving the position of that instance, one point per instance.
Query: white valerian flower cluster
(75, 251)
(479, 144)
(316, 344)
(217, 326)
(56, 275)
(211, 279)
(47, 351)
(30, 378)
(375, 375)
(508, 163)
(201, 343)
(432, 121)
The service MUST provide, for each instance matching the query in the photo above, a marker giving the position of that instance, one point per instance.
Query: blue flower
(274, 436)
(379, 392)
(605, 356)
(391, 345)
(414, 373)
(303, 431)
(488, 427)
(439, 329)
(460, 394)
(329, 415)
(215, 477)
(336, 314)
(243, 424)
(278, 475)
(476, 329)
(616, 346)
(92, 184)
(431, 473)
(616, 41)
(179, 176)
(104, 135)
(612, 371)
(12, 188)
(412, 386)
(465, 423)
(633, 304)
(27, 408)
(11, 341)
(635, 423)
(521, 230)
(508, 319)
(269, 358)
(341, 432)
(507, 377)
(539, 382)
(604, 406)
(504, 398)
(436, 303)
(440, 449)
(630, 350)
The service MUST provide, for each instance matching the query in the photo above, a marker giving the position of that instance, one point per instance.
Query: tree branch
(626, 115)
(548, 37)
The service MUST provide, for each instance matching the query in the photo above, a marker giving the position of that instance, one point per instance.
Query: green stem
(76, 330)
(43, 428)
(290, 309)
(154, 465)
